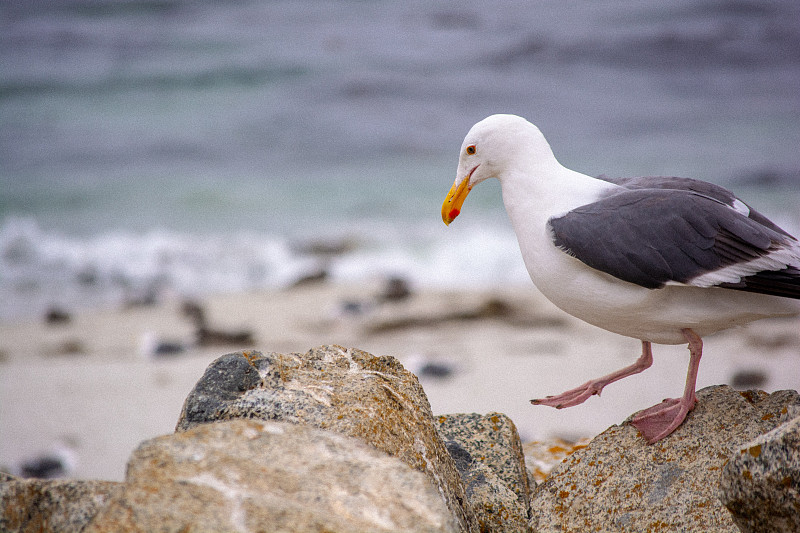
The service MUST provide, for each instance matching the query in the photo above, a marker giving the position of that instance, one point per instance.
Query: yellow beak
(455, 198)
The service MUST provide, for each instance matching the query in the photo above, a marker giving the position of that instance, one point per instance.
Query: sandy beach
(89, 382)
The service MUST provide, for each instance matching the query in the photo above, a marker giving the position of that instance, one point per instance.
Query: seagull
(661, 259)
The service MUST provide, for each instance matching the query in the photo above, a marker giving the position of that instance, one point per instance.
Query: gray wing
(704, 188)
(651, 236)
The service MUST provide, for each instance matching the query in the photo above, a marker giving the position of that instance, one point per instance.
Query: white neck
(535, 196)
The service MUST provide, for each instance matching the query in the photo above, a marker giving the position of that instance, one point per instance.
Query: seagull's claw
(657, 422)
(573, 397)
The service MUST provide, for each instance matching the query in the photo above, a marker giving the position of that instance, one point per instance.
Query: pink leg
(580, 394)
(660, 420)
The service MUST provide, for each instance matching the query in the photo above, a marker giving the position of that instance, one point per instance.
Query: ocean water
(193, 147)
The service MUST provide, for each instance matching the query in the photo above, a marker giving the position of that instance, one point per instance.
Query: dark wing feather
(784, 283)
(653, 236)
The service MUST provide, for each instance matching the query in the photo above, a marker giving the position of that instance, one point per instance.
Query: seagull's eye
(471, 149)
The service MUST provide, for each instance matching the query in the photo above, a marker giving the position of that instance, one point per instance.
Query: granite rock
(343, 390)
(542, 456)
(488, 454)
(760, 485)
(250, 475)
(620, 483)
(34, 505)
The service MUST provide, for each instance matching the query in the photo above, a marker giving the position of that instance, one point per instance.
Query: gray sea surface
(202, 147)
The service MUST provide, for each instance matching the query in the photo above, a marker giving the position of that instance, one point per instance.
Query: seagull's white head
(492, 148)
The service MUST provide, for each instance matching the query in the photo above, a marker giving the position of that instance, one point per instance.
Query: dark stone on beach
(770, 177)
(250, 475)
(488, 454)
(432, 369)
(343, 390)
(395, 290)
(354, 307)
(773, 340)
(168, 348)
(59, 461)
(51, 505)
(749, 379)
(619, 483)
(68, 347)
(147, 295)
(311, 278)
(332, 248)
(760, 485)
(43, 468)
(205, 335)
(88, 277)
(492, 309)
(56, 315)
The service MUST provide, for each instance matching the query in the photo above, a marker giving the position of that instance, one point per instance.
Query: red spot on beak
(453, 213)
